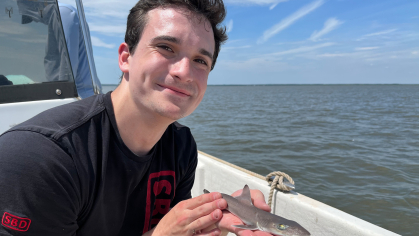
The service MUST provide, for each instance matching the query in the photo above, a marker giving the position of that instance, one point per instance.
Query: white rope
(278, 182)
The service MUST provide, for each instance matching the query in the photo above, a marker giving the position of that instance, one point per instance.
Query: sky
(290, 41)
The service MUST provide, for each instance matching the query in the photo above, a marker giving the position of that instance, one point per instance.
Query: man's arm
(38, 186)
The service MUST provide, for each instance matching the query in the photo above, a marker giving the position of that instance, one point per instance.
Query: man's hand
(191, 216)
(229, 219)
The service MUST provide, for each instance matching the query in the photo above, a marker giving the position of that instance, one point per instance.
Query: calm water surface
(353, 147)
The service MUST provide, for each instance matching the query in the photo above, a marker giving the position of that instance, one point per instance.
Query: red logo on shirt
(15, 222)
(160, 190)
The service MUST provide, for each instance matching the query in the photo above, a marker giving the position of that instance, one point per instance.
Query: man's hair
(211, 10)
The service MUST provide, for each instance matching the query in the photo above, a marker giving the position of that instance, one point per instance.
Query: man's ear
(123, 52)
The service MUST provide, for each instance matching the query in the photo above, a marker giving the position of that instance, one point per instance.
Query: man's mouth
(175, 90)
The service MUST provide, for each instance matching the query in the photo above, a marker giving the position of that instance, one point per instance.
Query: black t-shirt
(67, 172)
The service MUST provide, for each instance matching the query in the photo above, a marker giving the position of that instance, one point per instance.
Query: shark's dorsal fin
(245, 196)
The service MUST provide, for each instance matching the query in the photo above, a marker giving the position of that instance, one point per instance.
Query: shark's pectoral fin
(249, 227)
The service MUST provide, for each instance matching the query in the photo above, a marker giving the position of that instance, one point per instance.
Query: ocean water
(353, 147)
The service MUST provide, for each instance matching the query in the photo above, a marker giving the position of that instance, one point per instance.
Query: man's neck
(139, 129)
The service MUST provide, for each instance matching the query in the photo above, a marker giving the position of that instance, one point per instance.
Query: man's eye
(201, 61)
(165, 48)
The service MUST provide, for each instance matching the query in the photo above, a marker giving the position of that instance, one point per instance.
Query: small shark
(257, 219)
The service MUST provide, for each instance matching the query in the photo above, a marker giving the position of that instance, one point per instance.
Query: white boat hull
(12, 114)
(318, 218)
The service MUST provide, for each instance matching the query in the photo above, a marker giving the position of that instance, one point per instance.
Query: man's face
(168, 72)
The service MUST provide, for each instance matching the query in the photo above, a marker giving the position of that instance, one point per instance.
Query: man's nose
(181, 70)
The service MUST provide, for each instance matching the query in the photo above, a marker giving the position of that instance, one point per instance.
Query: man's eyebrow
(206, 53)
(166, 38)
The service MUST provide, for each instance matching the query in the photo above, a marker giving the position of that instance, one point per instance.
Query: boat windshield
(36, 61)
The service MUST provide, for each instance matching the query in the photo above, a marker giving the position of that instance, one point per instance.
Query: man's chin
(173, 114)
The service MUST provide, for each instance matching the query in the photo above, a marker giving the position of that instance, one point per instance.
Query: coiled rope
(278, 182)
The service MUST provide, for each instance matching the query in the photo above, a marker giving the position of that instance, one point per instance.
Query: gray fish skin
(257, 219)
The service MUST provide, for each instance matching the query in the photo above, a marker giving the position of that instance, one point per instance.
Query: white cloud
(415, 52)
(273, 6)
(355, 55)
(108, 29)
(109, 9)
(229, 26)
(106, 17)
(380, 33)
(377, 34)
(329, 25)
(333, 55)
(257, 64)
(369, 55)
(99, 43)
(285, 23)
(262, 60)
(239, 47)
(302, 49)
(365, 48)
(235, 41)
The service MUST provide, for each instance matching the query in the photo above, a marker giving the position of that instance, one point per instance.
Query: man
(119, 164)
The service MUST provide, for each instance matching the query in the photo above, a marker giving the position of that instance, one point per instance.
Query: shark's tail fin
(206, 191)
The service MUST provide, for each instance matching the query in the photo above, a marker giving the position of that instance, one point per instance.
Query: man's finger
(201, 200)
(207, 220)
(213, 232)
(207, 208)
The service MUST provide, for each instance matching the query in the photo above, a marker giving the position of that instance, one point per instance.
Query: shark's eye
(282, 227)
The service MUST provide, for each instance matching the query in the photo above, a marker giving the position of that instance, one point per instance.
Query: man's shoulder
(57, 121)
(183, 138)
(181, 130)
(179, 126)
